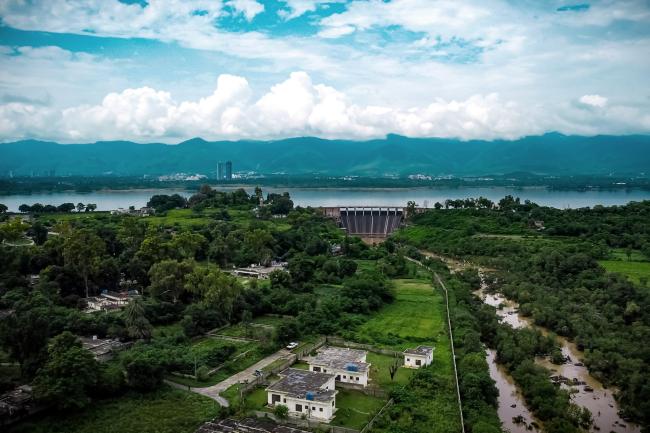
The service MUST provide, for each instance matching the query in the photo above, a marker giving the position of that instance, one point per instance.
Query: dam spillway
(376, 222)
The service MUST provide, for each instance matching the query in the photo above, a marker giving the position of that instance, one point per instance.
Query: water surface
(424, 197)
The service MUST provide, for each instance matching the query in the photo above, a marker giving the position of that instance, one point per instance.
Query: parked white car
(292, 345)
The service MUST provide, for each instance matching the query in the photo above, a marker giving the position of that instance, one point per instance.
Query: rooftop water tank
(309, 395)
(351, 367)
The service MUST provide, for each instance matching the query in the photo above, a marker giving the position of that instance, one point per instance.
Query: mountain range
(549, 154)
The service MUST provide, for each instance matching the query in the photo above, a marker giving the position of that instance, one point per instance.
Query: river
(425, 197)
(586, 392)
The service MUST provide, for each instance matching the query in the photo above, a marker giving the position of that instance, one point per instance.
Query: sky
(169, 70)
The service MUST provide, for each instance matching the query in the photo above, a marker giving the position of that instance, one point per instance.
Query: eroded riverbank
(586, 391)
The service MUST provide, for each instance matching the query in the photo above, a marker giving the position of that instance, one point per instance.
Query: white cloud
(296, 107)
(531, 56)
(250, 8)
(594, 100)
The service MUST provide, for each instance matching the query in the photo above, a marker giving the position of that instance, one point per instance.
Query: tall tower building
(220, 171)
(228, 170)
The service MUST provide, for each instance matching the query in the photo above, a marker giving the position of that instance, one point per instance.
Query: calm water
(107, 200)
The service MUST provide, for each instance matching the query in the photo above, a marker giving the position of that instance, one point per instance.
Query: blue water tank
(309, 396)
(352, 367)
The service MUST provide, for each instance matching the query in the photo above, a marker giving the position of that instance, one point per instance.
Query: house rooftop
(420, 350)
(297, 383)
(100, 346)
(341, 358)
(247, 425)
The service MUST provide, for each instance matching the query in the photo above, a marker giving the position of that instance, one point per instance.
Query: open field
(379, 371)
(164, 411)
(635, 271)
(355, 408)
(416, 317)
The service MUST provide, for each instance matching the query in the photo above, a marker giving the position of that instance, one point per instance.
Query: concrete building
(305, 393)
(228, 170)
(224, 170)
(102, 349)
(421, 356)
(347, 365)
(259, 272)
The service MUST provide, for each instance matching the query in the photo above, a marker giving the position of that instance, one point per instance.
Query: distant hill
(550, 154)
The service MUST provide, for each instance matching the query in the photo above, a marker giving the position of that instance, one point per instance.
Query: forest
(176, 265)
(548, 261)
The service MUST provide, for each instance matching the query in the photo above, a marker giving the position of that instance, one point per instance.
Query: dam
(371, 223)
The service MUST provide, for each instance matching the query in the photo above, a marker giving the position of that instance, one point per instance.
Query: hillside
(551, 154)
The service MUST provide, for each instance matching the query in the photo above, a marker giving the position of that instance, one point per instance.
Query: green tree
(137, 325)
(13, 229)
(168, 279)
(217, 290)
(186, 244)
(38, 232)
(80, 207)
(82, 251)
(3, 208)
(68, 375)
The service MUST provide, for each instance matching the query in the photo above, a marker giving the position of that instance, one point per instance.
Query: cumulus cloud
(249, 8)
(594, 100)
(294, 107)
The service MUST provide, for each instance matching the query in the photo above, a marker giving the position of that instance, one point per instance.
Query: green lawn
(635, 271)
(380, 374)
(366, 265)
(416, 317)
(355, 408)
(164, 411)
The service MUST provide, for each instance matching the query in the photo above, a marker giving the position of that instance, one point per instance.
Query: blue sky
(76, 71)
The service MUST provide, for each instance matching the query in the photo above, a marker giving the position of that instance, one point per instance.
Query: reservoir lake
(424, 197)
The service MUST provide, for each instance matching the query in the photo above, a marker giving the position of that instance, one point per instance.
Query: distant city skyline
(79, 71)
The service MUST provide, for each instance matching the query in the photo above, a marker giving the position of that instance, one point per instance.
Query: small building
(102, 349)
(421, 356)
(305, 393)
(347, 365)
(109, 301)
(258, 271)
(17, 404)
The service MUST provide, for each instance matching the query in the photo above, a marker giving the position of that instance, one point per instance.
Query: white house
(304, 393)
(347, 365)
(421, 356)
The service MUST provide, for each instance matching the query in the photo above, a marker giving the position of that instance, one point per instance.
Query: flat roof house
(347, 365)
(305, 393)
(421, 356)
(102, 349)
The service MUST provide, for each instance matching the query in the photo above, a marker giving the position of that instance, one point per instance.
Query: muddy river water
(586, 391)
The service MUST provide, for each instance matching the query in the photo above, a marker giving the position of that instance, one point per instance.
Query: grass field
(355, 408)
(164, 411)
(635, 271)
(415, 317)
(380, 374)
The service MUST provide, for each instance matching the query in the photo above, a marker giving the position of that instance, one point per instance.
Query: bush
(202, 373)
(281, 411)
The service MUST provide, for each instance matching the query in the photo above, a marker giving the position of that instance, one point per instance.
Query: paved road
(243, 376)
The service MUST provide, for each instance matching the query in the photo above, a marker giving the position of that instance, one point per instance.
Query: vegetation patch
(355, 408)
(164, 411)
